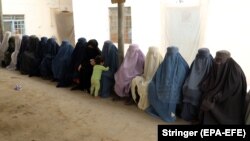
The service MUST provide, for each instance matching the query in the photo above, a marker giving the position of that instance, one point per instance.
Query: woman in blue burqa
(28, 64)
(61, 63)
(224, 92)
(192, 94)
(165, 89)
(85, 67)
(49, 54)
(76, 58)
(110, 56)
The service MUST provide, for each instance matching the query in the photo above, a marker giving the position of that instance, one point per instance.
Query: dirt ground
(42, 112)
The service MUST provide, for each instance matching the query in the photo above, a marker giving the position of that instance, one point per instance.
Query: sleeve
(105, 68)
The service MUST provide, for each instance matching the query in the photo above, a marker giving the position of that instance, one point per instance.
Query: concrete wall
(38, 14)
(227, 27)
(91, 18)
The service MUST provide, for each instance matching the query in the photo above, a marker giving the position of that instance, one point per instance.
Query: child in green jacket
(96, 75)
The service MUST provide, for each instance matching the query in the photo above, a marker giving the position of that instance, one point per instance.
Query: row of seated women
(210, 91)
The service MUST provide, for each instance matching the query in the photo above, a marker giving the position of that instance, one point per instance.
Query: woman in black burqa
(49, 53)
(76, 58)
(9, 51)
(24, 45)
(85, 68)
(28, 64)
(224, 92)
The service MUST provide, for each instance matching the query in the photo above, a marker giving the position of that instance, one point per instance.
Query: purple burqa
(132, 66)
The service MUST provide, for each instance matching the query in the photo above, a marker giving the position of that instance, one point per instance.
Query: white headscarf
(153, 60)
(18, 39)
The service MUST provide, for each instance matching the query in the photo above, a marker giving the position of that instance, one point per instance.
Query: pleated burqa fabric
(43, 46)
(4, 45)
(199, 70)
(247, 109)
(224, 92)
(7, 54)
(247, 113)
(29, 65)
(49, 54)
(77, 57)
(24, 45)
(39, 54)
(139, 88)
(110, 56)
(61, 63)
(165, 89)
(132, 66)
(13, 63)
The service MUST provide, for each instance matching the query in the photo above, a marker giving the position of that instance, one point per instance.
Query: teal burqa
(165, 89)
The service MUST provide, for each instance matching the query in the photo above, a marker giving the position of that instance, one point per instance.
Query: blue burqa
(165, 89)
(192, 94)
(61, 62)
(110, 56)
(49, 54)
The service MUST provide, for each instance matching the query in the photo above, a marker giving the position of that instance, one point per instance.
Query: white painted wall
(91, 19)
(37, 14)
(227, 27)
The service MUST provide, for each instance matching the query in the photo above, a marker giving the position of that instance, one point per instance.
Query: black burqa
(29, 63)
(86, 70)
(50, 52)
(7, 54)
(77, 57)
(24, 45)
(39, 54)
(224, 92)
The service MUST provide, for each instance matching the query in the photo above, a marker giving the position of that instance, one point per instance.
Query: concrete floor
(42, 112)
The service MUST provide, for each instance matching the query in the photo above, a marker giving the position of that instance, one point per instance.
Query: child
(96, 75)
